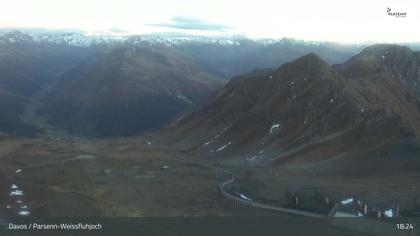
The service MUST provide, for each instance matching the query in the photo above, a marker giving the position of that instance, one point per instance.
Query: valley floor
(118, 177)
(135, 177)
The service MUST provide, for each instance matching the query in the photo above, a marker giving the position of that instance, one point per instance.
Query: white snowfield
(347, 201)
(389, 213)
(83, 39)
(223, 147)
(16, 193)
(274, 126)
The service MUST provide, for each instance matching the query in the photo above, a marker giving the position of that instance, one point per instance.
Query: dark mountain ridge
(127, 90)
(240, 56)
(26, 67)
(306, 108)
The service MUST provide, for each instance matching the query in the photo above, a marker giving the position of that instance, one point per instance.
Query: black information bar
(209, 226)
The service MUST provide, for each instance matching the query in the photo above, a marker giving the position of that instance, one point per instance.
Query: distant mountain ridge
(79, 38)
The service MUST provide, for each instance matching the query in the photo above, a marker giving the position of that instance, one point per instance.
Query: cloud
(192, 23)
(118, 31)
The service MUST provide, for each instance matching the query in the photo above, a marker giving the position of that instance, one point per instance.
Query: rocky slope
(306, 111)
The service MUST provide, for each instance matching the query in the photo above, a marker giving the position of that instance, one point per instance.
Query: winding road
(223, 189)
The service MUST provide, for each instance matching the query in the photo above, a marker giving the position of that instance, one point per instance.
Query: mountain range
(175, 119)
(113, 85)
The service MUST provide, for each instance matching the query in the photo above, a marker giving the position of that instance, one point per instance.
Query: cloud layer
(192, 23)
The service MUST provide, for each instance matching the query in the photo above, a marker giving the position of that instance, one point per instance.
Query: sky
(329, 20)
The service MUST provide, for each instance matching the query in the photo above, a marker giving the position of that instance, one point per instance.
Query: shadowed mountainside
(241, 56)
(127, 90)
(25, 67)
(346, 115)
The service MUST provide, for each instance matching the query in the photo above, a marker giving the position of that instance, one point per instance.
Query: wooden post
(398, 209)
(365, 210)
